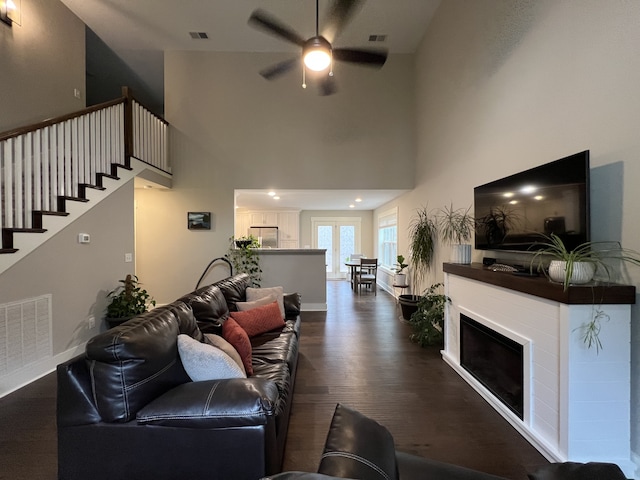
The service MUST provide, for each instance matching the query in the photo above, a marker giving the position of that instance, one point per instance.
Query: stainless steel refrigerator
(267, 236)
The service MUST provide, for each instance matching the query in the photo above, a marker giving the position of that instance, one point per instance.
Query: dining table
(353, 268)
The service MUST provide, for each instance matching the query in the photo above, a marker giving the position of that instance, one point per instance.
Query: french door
(340, 237)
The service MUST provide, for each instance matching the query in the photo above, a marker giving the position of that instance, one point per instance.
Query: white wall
(505, 86)
(232, 129)
(42, 62)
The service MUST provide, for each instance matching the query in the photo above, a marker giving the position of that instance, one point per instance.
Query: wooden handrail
(127, 97)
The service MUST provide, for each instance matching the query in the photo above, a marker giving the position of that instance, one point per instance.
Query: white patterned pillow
(206, 362)
(254, 294)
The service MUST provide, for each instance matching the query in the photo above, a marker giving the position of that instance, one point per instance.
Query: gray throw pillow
(206, 362)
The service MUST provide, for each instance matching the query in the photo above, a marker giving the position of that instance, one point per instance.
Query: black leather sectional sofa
(128, 410)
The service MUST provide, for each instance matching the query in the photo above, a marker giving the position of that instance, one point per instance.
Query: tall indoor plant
(456, 227)
(423, 235)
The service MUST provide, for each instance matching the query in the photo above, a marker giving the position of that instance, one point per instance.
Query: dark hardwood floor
(358, 353)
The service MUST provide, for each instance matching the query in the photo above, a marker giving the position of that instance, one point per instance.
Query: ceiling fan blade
(340, 14)
(264, 21)
(328, 86)
(273, 72)
(371, 58)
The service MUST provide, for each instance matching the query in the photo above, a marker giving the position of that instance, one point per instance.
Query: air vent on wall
(199, 35)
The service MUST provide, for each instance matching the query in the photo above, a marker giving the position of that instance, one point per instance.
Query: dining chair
(367, 275)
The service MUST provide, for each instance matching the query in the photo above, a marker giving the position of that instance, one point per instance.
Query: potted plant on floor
(427, 321)
(456, 227)
(423, 234)
(244, 255)
(578, 266)
(400, 278)
(127, 301)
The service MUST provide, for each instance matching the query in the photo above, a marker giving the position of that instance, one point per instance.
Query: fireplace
(495, 360)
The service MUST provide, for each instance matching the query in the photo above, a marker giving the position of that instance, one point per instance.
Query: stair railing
(62, 156)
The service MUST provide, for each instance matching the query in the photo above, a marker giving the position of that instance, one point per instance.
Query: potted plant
(422, 240)
(244, 255)
(127, 301)
(456, 227)
(400, 278)
(427, 321)
(578, 266)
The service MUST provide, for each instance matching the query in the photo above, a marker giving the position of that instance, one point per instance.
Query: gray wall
(232, 129)
(505, 86)
(42, 63)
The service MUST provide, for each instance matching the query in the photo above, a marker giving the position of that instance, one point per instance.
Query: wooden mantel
(541, 286)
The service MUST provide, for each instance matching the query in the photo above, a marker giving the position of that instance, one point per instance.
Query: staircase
(54, 171)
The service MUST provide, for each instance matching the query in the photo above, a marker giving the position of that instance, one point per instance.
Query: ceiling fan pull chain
(304, 76)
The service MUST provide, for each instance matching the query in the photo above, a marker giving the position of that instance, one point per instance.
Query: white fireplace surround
(576, 400)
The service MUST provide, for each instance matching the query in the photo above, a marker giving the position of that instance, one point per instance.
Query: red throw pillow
(260, 319)
(236, 336)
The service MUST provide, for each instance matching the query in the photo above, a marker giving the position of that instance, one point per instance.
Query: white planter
(461, 253)
(400, 279)
(583, 272)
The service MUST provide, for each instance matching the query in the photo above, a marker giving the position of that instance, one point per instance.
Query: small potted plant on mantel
(578, 266)
(127, 301)
(400, 277)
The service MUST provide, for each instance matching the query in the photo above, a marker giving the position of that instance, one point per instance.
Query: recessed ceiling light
(272, 193)
(276, 197)
(358, 199)
(352, 206)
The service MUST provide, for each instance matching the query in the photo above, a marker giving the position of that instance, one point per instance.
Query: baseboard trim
(313, 307)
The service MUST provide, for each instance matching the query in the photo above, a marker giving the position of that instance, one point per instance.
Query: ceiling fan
(318, 53)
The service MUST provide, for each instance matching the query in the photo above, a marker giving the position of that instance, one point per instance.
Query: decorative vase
(461, 253)
(583, 272)
(400, 279)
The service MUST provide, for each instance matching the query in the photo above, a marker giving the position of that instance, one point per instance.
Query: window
(388, 238)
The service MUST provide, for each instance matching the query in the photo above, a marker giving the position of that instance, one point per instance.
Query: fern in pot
(456, 227)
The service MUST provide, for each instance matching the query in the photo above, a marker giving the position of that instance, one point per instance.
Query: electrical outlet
(76, 93)
(128, 257)
(91, 323)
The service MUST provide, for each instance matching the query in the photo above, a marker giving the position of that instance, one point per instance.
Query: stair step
(8, 250)
(7, 236)
(82, 189)
(37, 215)
(100, 176)
(62, 202)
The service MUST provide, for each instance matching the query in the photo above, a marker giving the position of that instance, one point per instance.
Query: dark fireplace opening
(495, 361)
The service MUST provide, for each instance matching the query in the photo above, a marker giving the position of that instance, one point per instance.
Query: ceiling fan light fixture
(317, 54)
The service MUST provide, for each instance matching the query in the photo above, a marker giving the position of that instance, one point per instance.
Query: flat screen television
(512, 212)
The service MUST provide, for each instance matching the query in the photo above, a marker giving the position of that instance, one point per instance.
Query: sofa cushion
(236, 336)
(260, 320)
(258, 293)
(219, 342)
(358, 447)
(209, 308)
(281, 377)
(578, 471)
(227, 403)
(291, 305)
(280, 349)
(135, 362)
(206, 362)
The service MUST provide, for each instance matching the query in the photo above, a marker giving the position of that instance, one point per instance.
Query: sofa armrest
(75, 404)
(236, 402)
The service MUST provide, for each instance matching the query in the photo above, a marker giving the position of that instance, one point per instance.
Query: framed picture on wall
(199, 220)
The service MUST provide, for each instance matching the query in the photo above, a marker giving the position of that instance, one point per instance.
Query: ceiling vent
(377, 38)
(199, 35)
